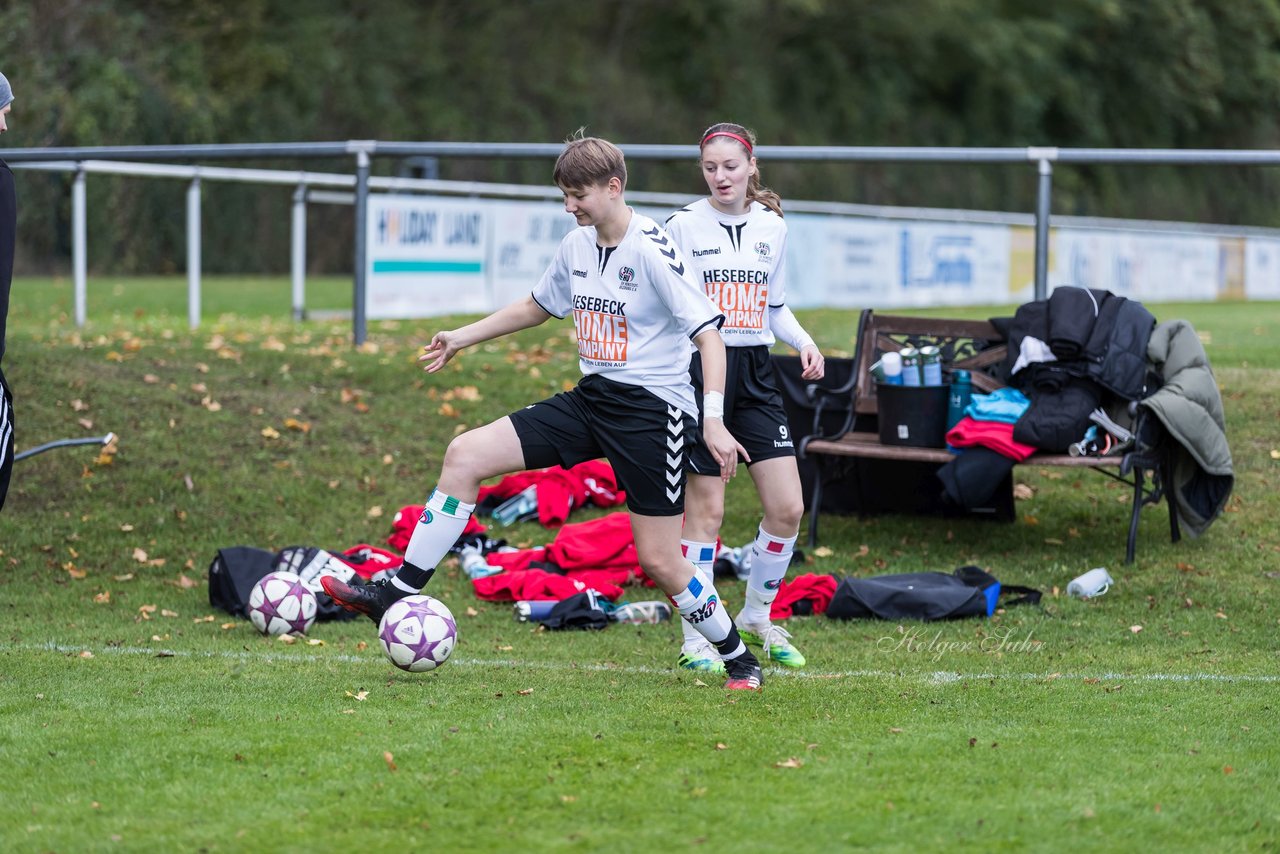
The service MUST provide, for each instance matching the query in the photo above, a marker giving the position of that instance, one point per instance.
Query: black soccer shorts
(645, 439)
(753, 410)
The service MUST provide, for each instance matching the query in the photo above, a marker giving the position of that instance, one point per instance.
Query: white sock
(442, 522)
(770, 557)
(702, 556)
(700, 606)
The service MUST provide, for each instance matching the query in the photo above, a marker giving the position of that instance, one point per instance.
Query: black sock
(732, 646)
(412, 578)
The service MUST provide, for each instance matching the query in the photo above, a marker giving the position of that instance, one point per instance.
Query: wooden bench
(973, 345)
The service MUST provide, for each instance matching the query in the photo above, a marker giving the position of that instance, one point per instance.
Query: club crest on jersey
(627, 278)
(763, 250)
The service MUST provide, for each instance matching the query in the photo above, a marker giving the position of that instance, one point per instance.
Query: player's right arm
(521, 314)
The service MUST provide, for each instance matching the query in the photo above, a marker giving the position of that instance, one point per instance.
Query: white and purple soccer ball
(418, 633)
(281, 604)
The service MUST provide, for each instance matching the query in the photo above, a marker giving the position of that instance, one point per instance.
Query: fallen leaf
(374, 512)
(295, 424)
(525, 692)
(185, 583)
(167, 613)
(790, 762)
(389, 759)
(103, 598)
(894, 729)
(86, 654)
(315, 642)
(207, 618)
(227, 626)
(1227, 769)
(699, 683)
(1022, 492)
(359, 695)
(139, 555)
(568, 799)
(287, 639)
(471, 612)
(720, 745)
(128, 576)
(823, 551)
(270, 433)
(1052, 541)
(1135, 629)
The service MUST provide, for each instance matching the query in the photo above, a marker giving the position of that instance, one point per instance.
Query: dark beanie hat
(6, 91)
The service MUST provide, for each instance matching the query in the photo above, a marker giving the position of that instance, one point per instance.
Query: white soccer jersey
(635, 307)
(738, 260)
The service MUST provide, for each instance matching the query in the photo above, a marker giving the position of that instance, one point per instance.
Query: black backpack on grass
(235, 570)
(968, 592)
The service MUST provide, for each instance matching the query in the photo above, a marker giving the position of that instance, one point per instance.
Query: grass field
(134, 717)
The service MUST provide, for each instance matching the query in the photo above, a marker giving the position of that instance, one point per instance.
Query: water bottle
(958, 399)
(532, 611)
(910, 366)
(891, 363)
(474, 564)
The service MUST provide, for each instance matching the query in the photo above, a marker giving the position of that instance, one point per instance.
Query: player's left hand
(814, 366)
(723, 447)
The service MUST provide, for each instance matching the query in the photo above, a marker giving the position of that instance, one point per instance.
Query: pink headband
(745, 144)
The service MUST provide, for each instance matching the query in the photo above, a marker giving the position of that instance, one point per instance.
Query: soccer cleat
(641, 612)
(744, 673)
(372, 599)
(775, 640)
(700, 655)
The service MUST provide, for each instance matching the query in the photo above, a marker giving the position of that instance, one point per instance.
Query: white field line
(936, 677)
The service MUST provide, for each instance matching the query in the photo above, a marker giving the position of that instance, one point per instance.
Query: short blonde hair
(589, 161)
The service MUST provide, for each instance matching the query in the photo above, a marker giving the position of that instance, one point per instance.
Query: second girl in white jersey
(735, 241)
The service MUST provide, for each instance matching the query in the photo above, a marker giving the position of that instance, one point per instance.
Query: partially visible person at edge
(634, 305)
(8, 238)
(736, 242)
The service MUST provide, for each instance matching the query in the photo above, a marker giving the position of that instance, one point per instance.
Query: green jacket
(1189, 405)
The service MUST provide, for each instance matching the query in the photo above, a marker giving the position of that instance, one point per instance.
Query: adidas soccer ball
(418, 633)
(280, 603)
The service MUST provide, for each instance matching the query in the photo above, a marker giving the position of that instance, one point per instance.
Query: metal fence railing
(143, 161)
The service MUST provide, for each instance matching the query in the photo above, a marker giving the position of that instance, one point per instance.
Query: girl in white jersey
(735, 240)
(633, 305)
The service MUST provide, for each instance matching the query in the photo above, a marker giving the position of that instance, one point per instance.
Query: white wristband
(713, 405)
